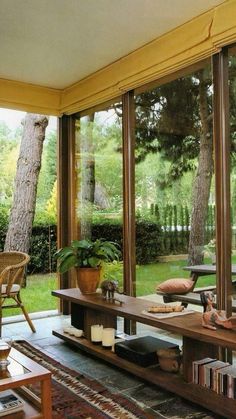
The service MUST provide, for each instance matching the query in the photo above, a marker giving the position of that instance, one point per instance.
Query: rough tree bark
(202, 183)
(26, 180)
(87, 178)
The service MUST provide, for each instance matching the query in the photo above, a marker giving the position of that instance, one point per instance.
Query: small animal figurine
(212, 318)
(109, 287)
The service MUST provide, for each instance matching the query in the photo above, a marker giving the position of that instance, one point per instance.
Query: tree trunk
(202, 183)
(25, 189)
(87, 178)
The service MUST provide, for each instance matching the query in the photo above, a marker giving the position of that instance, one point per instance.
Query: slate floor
(154, 400)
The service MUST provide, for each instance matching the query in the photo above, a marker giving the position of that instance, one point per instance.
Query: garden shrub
(165, 231)
(108, 230)
(43, 246)
(148, 241)
(4, 216)
(152, 240)
(148, 238)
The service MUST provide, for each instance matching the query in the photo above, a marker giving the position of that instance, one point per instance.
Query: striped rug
(76, 396)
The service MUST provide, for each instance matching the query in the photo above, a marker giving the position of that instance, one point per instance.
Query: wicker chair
(12, 268)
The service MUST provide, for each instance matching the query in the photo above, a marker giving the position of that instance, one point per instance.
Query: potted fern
(87, 257)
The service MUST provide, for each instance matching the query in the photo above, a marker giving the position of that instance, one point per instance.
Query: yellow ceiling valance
(29, 98)
(179, 48)
(185, 45)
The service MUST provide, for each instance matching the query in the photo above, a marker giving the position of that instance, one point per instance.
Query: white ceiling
(56, 43)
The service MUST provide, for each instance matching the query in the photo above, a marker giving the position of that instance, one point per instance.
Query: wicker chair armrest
(9, 273)
(12, 276)
(13, 267)
(18, 265)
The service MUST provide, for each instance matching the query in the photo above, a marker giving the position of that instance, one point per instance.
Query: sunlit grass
(37, 295)
(151, 275)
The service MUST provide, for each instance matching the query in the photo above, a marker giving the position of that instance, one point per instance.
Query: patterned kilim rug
(77, 396)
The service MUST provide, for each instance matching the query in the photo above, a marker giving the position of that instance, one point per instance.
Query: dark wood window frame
(66, 193)
(222, 180)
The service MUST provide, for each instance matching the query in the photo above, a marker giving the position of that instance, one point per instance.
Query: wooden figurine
(213, 318)
(109, 287)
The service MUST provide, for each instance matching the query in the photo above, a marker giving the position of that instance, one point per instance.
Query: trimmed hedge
(43, 243)
(152, 240)
(43, 246)
(148, 238)
(108, 230)
(44, 238)
(3, 226)
(148, 241)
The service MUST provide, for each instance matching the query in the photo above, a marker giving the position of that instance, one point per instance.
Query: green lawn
(37, 294)
(149, 276)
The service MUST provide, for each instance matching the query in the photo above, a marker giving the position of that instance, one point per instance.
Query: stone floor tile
(90, 367)
(177, 408)
(149, 395)
(61, 352)
(48, 341)
(120, 380)
(153, 414)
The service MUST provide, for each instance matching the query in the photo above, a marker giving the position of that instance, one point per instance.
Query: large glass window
(174, 180)
(99, 197)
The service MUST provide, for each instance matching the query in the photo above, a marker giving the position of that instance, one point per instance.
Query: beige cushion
(176, 286)
(14, 288)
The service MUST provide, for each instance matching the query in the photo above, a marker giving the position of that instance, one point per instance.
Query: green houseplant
(88, 258)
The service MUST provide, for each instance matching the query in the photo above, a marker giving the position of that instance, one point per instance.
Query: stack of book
(216, 375)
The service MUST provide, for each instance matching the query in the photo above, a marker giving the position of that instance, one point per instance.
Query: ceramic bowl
(68, 329)
(78, 333)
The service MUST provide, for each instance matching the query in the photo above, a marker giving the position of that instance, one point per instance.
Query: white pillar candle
(108, 337)
(96, 333)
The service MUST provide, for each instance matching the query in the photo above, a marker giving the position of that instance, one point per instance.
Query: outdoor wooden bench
(189, 298)
(193, 296)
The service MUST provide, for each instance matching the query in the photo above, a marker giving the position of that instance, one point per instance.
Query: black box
(142, 350)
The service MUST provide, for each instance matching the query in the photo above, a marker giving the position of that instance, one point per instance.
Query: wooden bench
(193, 296)
(197, 342)
(190, 297)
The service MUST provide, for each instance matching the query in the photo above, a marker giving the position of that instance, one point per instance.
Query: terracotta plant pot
(88, 279)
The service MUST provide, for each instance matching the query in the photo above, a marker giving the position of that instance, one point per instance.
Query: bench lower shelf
(168, 381)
